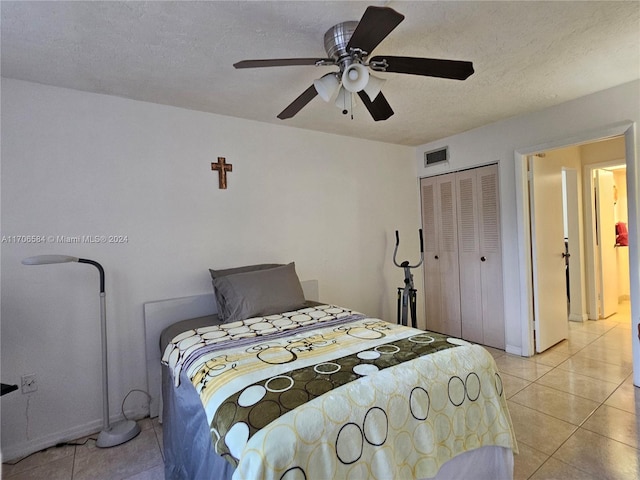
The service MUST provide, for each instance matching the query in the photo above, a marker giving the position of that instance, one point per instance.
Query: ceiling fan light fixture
(327, 86)
(355, 77)
(373, 87)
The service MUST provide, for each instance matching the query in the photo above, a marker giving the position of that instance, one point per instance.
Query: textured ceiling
(527, 56)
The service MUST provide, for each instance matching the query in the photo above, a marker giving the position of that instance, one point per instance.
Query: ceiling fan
(348, 45)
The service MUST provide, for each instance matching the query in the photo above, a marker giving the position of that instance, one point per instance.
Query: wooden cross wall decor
(222, 169)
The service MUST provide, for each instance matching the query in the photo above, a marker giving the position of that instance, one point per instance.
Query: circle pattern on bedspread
(259, 404)
(498, 384)
(279, 383)
(349, 443)
(365, 369)
(326, 368)
(237, 438)
(368, 355)
(295, 473)
(252, 395)
(422, 338)
(472, 386)
(375, 426)
(377, 429)
(419, 403)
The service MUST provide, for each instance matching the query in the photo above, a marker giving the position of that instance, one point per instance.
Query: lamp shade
(355, 77)
(326, 86)
(373, 87)
(47, 259)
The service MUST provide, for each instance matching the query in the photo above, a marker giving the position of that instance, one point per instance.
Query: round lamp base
(120, 432)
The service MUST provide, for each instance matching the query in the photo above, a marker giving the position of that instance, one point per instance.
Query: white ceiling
(527, 56)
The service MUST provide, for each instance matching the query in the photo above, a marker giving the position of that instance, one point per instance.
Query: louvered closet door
(491, 252)
(469, 256)
(448, 254)
(428, 187)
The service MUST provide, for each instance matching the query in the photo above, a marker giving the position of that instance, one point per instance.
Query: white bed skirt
(484, 463)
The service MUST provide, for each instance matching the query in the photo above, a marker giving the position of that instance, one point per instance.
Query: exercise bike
(407, 294)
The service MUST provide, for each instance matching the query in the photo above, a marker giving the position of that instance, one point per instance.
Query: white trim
(514, 350)
(459, 169)
(23, 449)
(575, 317)
(524, 252)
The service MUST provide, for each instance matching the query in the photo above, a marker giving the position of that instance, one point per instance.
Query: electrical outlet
(29, 383)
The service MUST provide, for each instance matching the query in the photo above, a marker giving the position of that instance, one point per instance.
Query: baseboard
(14, 452)
(513, 350)
(578, 317)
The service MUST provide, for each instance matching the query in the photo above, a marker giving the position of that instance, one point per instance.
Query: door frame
(589, 228)
(578, 306)
(627, 129)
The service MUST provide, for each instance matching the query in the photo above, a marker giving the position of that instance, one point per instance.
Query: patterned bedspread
(325, 392)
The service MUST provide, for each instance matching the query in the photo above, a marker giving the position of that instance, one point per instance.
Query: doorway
(576, 276)
(607, 259)
(627, 131)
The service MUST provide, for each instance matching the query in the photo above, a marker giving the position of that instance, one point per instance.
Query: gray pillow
(232, 271)
(260, 292)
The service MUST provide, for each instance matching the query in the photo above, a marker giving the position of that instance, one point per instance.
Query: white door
(547, 242)
(448, 255)
(490, 257)
(606, 241)
(469, 256)
(480, 256)
(432, 300)
(441, 271)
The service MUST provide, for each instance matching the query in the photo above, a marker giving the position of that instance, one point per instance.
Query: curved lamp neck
(100, 269)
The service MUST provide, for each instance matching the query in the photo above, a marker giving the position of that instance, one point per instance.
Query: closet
(463, 257)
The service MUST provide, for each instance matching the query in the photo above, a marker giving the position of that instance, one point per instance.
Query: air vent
(436, 156)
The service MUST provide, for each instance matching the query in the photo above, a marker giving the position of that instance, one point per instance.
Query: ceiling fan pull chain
(351, 100)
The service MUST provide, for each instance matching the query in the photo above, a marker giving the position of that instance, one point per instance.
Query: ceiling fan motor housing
(336, 40)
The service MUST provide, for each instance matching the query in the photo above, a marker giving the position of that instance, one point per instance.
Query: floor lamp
(120, 432)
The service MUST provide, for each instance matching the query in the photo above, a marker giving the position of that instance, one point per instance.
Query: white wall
(76, 163)
(556, 126)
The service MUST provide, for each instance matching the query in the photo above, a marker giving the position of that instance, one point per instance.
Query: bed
(317, 390)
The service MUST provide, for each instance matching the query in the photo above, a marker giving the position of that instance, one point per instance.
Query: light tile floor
(138, 459)
(574, 408)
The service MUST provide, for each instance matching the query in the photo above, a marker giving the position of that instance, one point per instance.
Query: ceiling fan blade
(297, 105)
(374, 26)
(429, 67)
(379, 108)
(283, 62)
